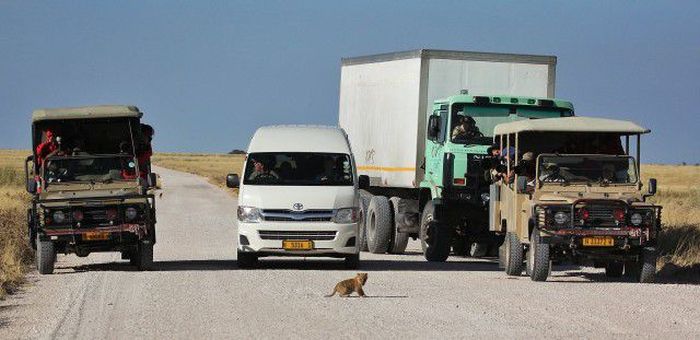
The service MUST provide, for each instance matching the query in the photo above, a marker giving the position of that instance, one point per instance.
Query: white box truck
(420, 124)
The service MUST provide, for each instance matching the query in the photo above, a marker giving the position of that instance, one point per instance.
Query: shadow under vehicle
(90, 178)
(576, 197)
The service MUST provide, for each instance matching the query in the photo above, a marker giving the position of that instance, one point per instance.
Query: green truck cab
(455, 188)
(91, 184)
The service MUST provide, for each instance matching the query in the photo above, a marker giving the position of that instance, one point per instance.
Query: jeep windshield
(589, 169)
(487, 117)
(89, 169)
(298, 169)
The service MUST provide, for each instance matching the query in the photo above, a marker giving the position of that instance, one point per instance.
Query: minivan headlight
(249, 214)
(345, 215)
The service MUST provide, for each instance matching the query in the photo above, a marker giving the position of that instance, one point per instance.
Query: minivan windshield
(90, 169)
(298, 169)
(589, 169)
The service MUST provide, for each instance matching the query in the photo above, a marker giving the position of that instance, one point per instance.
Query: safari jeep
(570, 191)
(90, 177)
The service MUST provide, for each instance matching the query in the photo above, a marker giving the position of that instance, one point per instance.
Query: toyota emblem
(298, 206)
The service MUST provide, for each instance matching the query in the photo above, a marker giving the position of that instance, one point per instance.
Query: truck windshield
(474, 124)
(298, 169)
(590, 169)
(91, 169)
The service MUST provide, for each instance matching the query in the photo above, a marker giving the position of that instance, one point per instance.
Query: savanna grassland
(678, 193)
(15, 253)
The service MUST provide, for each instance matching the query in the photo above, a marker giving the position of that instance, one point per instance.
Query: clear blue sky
(207, 74)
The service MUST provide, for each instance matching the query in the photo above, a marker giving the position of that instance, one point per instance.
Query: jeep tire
(379, 225)
(513, 255)
(538, 262)
(647, 265)
(614, 269)
(45, 256)
(435, 238)
(144, 255)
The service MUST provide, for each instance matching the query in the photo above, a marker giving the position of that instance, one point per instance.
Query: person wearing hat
(466, 129)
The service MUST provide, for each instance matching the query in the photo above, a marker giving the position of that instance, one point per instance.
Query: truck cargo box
(385, 101)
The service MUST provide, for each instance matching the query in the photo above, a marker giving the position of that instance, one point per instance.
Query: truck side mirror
(521, 184)
(433, 127)
(31, 186)
(152, 180)
(363, 182)
(233, 181)
(652, 186)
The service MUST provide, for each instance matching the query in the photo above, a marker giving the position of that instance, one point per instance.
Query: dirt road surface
(196, 291)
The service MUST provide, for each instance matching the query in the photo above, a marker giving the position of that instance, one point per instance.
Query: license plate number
(598, 241)
(95, 236)
(297, 245)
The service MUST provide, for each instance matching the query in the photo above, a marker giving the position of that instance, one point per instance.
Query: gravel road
(196, 291)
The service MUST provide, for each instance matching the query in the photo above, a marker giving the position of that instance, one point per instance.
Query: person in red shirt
(46, 148)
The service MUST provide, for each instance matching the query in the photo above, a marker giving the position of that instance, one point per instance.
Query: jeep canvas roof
(571, 124)
(87, 112)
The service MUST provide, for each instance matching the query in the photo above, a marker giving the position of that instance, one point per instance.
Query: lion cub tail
(333, 293)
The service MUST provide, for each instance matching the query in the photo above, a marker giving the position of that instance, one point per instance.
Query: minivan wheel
(247, 260)
(45, 256)
(379, 225)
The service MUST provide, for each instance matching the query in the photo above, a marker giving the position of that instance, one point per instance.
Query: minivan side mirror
(652, 186)
(233, 181)
(31, 185)
(433, 127)
(521, 184)
(152, 180)
(363, 182)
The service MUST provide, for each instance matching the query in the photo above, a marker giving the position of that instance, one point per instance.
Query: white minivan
(298, 195)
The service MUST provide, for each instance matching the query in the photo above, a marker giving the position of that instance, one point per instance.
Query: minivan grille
(281, 215)
(297, 235)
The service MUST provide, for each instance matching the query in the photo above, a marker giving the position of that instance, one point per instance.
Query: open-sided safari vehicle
(90, 178)
(570, 191)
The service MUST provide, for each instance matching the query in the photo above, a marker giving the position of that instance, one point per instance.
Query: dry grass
(679, 194)
(214, 167)
(15, 253)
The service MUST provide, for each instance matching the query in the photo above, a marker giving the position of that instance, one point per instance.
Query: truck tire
(435, 238)
(399, 240)
(513, 255)
(145, 255)
(379, 225)
(362, 237)
(352, 261)
(538, 262)
(614, 269)
(45, 256)
(246, 260)
(647, 265)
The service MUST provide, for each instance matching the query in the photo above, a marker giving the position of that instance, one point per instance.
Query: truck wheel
(539, 265)
(647, 265)
(145, 255)
(434, 237)
(247, 260)
(362, 237)
(399, 240)
(614, 269)
(379, 225)
(45, 256)
(513, 255)
(352, 261)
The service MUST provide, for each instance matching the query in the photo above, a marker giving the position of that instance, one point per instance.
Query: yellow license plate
(604, 241)
(297, 245)
(95, 236)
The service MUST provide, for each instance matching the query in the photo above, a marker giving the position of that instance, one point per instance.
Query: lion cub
(346, 287)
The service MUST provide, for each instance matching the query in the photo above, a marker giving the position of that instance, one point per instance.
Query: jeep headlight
(561, 218)
(58, 216)
(346, 215)
(636, 219)
(130, 213)
(249, 214)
